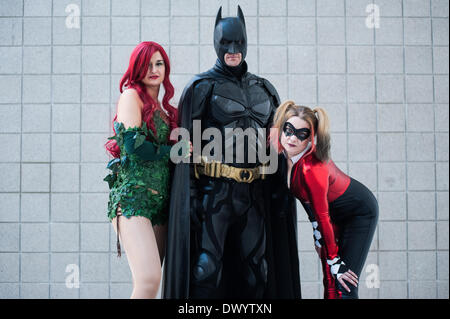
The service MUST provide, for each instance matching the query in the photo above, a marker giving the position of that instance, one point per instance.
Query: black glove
(337, 267)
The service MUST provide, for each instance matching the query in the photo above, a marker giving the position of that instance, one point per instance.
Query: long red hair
(137, 69)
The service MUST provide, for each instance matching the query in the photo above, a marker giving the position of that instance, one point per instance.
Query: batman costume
(232, 231)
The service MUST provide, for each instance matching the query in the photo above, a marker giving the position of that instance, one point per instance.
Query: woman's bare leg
(161, 239)
(138, 241)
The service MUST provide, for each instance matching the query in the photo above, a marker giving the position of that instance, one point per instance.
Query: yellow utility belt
(218, 169)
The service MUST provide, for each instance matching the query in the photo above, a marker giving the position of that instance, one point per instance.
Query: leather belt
(218, 169)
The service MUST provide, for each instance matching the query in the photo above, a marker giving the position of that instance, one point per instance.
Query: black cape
(281, 221)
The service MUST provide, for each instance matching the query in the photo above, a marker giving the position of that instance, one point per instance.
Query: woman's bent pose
(343, 212)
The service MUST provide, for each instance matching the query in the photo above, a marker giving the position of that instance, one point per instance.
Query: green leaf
(139, 140)
(118, 127)
(144, 128)
(112, 164)
(123, 160)
(111, 179)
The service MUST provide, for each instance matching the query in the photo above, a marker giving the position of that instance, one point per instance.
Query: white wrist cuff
(333, 261)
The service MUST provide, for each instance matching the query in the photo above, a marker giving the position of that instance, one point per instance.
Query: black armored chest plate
(231, 101)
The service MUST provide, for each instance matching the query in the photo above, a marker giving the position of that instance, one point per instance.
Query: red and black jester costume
(346, 213)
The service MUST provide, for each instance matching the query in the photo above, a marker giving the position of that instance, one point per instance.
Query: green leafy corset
(140, 187)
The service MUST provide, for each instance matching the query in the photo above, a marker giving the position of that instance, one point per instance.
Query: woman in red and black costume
(343, 212)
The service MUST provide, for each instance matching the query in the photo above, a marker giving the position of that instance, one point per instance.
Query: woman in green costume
(139, 178)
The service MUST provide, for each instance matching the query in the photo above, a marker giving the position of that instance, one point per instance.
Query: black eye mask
(301, 133)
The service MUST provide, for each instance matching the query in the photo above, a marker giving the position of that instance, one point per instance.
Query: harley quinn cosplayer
(139, 181)
(343, 211)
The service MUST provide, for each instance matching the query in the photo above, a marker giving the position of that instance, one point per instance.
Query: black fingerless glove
(337, 267)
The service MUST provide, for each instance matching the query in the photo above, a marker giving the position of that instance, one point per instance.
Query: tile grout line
(346, 92)
(347, 135)
(317, 97)
(20, 156)
(266, 73)
(405, 103)
(288, 50)
(294, 16)
(377, 142)
(208, 45)
(435, 150)
(80, 150)
(199, 37)
(112, 132)
(140, 21)
(251, 45)
(258, 44)
(50, 155)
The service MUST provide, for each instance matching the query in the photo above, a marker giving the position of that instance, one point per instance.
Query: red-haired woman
(343, 211)
(139, 181)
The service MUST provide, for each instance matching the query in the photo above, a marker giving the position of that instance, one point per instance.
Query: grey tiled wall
(386, 90)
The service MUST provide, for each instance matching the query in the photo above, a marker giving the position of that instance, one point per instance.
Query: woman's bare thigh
(139, 242)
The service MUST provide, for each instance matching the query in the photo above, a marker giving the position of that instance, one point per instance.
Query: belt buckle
(248, 179)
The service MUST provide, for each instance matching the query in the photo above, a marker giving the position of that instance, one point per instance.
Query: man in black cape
(230, 235)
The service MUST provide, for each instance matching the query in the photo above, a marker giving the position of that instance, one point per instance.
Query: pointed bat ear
(241, 15)
(219, 16)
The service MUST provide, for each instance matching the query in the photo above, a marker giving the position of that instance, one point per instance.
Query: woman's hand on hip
(349, 276)
(340, 271)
